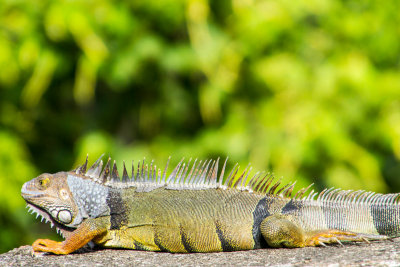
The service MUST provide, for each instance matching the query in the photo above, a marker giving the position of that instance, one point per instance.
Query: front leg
(88, 230)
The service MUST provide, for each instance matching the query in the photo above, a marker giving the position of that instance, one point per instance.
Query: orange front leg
(88, 230)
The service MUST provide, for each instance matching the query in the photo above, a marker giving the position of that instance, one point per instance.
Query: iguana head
(67, 198)
(49, 196)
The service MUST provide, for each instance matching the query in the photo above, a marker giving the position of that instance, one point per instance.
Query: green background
(307, 89)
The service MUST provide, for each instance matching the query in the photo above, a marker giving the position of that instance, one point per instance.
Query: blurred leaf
(40, 79)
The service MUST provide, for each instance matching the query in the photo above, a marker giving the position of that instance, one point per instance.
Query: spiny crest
(351, 197)
(186, 175)
(204, 174)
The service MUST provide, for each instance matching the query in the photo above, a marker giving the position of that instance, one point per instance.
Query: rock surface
(359, 254)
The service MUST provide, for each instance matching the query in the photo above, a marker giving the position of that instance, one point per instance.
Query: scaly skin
(196, 212)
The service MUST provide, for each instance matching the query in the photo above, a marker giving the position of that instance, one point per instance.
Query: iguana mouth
(61, 229)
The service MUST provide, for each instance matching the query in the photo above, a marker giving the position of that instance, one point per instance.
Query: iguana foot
(47, 245)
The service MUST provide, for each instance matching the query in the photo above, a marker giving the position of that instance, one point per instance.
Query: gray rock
(356, 254)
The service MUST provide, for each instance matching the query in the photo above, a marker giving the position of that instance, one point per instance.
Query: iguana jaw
(61, 229)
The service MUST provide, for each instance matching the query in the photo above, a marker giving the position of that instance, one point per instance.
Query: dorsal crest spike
(95, 170)
(138, 176)
(114, 173)
(221, 176)
(190, 175)
(235, 183)
(201, 171)
(151, 170)
(164, 175)
(184, 177)
(82, 169)
(245, 180)
(241, 178)
(125, 176)
(203, 175)
(208, 177)
(253, 180)
(179, 178)
(159, 173)
(146, 171)
(311, 196)
(232, 175)
(319, 195)
(258, 182)
(274, 187)
(267, 182)
(105, 174)
(239, 181)
(155, 173)
(142, 170)
(214, 175)
(133, 178)
(283, 188)
(327, 194)
(288, 192)
(196, 171)
(302, 191)
(174, 173)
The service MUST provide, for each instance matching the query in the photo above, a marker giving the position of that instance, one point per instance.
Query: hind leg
(279, 231)
(337, 236)
(283, 231)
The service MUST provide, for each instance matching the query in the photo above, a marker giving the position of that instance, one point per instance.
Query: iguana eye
(44, 183)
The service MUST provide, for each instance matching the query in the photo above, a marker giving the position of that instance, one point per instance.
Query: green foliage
(307, 89)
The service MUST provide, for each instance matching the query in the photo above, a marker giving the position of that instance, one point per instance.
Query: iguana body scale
(195, 210)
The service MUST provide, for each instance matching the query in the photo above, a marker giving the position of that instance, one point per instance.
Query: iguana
(197, 209)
